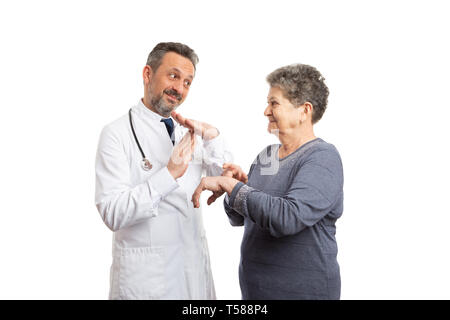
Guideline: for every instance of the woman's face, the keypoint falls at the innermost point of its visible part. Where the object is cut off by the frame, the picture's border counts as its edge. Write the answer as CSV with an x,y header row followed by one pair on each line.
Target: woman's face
x,y
283,116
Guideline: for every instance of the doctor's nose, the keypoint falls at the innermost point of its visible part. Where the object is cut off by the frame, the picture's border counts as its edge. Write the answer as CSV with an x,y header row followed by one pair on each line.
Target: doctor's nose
x,y
178,87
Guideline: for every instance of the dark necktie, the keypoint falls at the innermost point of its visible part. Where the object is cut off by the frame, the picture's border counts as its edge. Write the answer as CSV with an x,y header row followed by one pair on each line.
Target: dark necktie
x,y
169,126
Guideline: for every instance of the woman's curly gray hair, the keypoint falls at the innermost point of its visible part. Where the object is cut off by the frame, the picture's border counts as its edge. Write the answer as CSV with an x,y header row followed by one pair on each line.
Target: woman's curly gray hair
x,y
302,83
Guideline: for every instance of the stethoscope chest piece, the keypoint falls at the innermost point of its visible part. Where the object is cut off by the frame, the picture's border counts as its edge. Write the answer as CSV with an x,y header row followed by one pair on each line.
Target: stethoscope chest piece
x,y
146,165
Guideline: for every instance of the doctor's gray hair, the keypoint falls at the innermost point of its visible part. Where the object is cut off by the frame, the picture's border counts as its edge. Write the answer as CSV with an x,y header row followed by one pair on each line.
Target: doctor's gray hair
x,y
302,83
155,57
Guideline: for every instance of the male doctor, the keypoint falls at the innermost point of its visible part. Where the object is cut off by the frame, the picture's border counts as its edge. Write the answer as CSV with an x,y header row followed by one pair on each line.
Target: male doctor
x,y
147,168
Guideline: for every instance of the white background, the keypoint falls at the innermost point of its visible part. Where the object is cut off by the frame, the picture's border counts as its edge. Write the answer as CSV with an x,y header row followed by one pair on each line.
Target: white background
x,y
67,68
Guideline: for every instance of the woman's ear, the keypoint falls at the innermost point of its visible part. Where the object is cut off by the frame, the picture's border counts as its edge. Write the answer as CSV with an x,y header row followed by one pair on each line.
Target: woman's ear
x,y
306,112
308,108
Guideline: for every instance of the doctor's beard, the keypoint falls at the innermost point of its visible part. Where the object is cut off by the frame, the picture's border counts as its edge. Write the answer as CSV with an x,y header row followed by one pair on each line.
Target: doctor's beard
x,y
163,108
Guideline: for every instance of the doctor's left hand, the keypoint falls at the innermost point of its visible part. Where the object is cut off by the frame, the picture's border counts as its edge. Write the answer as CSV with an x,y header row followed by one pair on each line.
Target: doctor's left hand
x,y
181,155
202,129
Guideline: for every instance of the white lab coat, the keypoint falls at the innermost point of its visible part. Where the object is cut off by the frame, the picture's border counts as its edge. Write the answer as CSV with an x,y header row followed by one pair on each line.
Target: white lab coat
x,y
159,245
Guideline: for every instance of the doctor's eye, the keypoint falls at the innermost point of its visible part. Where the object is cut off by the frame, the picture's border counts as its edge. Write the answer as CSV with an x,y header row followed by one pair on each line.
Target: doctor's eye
x,y
187,83
172,75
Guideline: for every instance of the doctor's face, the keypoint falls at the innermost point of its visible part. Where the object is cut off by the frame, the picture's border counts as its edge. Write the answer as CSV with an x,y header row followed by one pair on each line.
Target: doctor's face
x,y
167,88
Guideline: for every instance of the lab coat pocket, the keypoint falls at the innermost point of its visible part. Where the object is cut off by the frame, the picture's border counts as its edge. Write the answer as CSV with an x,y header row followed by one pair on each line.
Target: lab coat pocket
x,y
141,273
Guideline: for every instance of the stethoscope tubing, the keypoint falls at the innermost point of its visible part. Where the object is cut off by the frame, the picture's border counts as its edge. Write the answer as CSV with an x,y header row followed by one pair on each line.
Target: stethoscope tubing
x,y
135,137
146,165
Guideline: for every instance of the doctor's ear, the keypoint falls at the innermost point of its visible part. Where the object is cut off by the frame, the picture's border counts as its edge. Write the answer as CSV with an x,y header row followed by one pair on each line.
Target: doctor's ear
x,y
147,74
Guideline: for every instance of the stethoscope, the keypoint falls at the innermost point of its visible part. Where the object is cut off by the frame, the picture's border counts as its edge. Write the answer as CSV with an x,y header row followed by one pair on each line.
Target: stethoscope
x,y
146,165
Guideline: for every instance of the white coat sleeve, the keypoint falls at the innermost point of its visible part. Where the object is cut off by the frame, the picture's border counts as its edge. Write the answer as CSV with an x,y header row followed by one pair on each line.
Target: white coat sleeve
x,y
215,154
119,203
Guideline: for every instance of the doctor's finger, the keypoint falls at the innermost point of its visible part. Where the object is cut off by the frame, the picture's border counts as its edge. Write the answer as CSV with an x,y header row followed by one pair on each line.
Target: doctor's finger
x,y
189,142
182,151
178,117
193,141
196,195
214,197
185,122
194,125
186,140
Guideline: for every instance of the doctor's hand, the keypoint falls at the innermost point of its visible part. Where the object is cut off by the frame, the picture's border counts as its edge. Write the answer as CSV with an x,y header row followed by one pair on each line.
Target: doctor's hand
x,y
229,170
181,155
202,129
219,184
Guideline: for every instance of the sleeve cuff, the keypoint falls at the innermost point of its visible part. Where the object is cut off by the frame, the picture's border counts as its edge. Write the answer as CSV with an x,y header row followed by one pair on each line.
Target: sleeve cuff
x,y
234,192
226,199
215,139
238,198
215,146
215,154
162,182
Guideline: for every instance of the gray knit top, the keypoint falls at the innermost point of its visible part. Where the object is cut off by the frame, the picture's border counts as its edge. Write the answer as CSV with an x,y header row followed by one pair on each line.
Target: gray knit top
x,y
289,208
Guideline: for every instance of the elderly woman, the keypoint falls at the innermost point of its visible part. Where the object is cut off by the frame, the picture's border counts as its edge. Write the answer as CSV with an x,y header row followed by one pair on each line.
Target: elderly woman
x,y
292,198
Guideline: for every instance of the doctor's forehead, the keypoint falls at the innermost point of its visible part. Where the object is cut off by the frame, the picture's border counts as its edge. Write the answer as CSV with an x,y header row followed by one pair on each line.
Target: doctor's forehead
x,y
175,62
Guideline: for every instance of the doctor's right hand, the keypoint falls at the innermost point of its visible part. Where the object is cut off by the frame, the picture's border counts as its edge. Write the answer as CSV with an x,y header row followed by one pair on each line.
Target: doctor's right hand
x,y
181,155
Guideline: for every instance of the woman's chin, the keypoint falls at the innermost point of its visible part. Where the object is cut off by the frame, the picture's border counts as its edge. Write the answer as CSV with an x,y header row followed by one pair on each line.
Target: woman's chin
x,y
272,128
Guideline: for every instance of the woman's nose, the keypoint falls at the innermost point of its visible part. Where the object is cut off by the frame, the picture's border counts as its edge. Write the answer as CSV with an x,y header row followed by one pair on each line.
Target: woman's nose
x,y
267,112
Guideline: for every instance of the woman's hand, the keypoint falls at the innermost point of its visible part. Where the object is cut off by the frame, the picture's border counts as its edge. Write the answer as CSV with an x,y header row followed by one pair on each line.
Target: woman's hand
x,y
233,170
217,185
